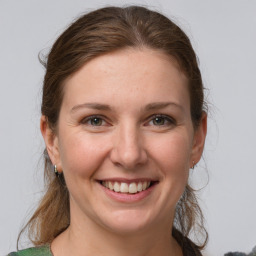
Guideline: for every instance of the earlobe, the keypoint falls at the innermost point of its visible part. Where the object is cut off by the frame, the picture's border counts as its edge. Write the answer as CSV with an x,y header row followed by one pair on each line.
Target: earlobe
x,y
51,142
199,140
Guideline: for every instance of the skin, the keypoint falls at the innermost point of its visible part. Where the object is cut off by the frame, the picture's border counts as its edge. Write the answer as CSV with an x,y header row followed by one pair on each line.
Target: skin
x,y
143,130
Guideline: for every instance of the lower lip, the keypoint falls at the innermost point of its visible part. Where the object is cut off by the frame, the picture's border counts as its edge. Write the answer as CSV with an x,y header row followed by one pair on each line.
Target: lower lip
x,y
126,197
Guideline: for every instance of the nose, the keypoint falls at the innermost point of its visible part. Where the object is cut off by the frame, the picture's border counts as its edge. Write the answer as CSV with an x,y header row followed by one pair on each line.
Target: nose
x,y
128,148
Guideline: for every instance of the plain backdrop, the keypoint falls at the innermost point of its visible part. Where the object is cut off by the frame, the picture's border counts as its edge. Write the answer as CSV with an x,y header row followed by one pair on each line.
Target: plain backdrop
x,y
223,34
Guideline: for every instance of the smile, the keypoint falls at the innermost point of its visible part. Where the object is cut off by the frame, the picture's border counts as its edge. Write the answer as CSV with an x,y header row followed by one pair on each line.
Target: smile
x,y
130,188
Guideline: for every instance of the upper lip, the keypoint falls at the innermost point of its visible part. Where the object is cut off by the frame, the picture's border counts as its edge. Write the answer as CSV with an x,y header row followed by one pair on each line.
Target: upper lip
x,y
125,180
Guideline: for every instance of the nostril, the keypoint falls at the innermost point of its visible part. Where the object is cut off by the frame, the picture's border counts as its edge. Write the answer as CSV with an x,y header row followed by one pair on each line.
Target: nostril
x,y
128,159
128,151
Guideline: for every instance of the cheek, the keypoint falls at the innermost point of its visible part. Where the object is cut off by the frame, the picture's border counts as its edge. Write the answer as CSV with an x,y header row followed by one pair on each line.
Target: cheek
x,y
172,155
81,155
173,151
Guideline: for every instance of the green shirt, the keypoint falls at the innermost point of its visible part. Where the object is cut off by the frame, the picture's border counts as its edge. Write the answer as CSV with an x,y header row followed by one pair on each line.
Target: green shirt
x,y
35,251
46,251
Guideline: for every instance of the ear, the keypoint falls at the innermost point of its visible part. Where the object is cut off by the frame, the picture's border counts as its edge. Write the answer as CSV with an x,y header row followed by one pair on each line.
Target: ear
x,y
198,141
51,142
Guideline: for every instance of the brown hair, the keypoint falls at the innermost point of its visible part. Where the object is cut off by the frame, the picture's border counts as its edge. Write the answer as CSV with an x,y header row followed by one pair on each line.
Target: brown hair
x,y
103,31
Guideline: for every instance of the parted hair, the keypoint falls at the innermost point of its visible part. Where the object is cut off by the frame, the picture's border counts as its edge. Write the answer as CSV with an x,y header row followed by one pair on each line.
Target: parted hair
x,y
103,31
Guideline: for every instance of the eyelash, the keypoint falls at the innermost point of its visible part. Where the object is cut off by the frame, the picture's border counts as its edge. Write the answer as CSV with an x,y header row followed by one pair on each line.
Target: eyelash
x,y
168,121
91,118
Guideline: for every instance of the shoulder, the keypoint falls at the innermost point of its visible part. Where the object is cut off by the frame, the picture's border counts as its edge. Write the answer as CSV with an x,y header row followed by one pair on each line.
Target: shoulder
x,y
35,251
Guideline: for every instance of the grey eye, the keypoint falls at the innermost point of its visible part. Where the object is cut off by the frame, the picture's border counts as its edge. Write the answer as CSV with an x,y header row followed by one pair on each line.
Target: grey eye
x,y
159,121
96,121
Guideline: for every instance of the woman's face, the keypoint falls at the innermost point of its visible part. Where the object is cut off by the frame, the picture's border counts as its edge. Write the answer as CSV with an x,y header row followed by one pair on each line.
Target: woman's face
x,y
125,140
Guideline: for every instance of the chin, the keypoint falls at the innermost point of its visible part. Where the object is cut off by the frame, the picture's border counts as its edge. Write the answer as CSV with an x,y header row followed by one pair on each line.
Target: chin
x,y
128,222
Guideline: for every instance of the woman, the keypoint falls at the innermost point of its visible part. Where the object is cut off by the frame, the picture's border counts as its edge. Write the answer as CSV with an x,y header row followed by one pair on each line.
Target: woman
x,y
123,121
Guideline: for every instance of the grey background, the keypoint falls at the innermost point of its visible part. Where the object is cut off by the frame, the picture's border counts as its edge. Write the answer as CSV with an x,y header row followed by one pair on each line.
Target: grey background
x,y
224,36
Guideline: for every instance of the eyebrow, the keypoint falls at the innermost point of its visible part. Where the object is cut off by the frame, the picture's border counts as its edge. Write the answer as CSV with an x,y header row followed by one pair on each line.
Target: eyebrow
x,y
160,105
148,107
97,106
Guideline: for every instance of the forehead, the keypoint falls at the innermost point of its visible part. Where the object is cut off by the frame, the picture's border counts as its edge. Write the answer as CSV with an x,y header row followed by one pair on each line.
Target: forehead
x,y
130,74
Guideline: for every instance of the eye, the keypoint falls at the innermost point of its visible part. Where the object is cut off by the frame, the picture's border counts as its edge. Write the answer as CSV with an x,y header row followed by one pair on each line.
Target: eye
x,y
161,120
94,121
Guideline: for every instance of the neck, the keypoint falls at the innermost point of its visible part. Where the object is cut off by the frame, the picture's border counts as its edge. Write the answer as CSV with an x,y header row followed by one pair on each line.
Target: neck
x,y
74,242
86,238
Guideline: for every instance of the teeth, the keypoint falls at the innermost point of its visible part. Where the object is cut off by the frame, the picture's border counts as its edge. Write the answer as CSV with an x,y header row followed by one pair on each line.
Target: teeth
x,y
133,188
144,185
139,186
116,187
110,185
123,187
